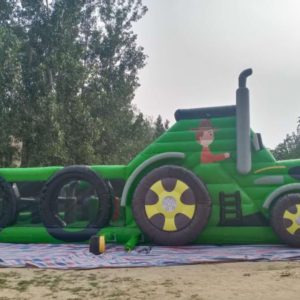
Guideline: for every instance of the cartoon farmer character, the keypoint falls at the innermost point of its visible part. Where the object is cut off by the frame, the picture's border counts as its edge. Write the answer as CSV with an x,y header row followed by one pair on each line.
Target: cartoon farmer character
x,y
205,136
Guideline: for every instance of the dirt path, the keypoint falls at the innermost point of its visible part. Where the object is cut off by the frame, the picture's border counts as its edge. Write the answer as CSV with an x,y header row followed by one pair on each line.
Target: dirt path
x,y
267,280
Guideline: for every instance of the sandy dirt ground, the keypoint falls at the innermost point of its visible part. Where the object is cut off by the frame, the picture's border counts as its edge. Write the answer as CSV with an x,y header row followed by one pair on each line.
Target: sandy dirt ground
x,y
256,280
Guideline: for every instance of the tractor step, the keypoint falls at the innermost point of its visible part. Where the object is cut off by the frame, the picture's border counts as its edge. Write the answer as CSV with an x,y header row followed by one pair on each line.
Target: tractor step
x,y
230,209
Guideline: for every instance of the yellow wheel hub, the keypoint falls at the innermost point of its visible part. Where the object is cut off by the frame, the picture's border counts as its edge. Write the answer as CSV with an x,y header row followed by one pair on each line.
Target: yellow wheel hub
x,y
169,204
294,218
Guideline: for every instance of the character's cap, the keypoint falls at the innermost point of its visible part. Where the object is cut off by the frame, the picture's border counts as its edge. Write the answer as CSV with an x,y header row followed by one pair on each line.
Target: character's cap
x,y
205,124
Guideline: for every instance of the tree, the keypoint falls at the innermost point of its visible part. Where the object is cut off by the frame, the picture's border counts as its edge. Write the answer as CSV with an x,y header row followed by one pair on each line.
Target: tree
x,y
160,127
290,147
69,71
10,89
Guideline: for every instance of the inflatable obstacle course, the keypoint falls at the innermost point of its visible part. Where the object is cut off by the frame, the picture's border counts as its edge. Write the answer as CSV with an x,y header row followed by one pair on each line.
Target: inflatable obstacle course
x,y
208,179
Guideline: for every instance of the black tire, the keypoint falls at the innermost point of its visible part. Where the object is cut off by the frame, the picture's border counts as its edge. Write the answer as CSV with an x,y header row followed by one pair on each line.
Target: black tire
x,y
8,204
48,206
179,209
285,219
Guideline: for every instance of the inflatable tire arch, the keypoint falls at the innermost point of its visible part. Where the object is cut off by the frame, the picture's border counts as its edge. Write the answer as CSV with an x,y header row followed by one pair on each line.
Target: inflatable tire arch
x,y
8,205
142,167
171,205
285,219
54,223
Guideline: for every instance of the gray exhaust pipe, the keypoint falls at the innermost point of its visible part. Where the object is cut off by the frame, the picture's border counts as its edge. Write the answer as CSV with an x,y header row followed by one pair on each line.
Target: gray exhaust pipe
x,y
243,125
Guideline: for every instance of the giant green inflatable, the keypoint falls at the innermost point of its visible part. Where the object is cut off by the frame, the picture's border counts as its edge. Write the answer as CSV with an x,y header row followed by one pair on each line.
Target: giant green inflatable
x,y
208,179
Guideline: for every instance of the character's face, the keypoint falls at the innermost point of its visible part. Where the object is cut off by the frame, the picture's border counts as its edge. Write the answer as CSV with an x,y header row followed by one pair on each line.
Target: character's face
x,y
207,138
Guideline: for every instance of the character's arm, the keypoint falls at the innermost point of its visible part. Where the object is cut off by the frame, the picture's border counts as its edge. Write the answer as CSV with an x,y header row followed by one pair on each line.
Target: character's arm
x,y
208,157
219,157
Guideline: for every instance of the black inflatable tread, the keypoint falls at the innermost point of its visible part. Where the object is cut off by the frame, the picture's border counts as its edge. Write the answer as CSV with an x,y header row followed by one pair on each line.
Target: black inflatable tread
x,y
53,224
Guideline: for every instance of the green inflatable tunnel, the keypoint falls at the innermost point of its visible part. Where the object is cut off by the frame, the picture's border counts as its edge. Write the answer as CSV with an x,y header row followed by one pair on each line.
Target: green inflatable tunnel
x,y
208,179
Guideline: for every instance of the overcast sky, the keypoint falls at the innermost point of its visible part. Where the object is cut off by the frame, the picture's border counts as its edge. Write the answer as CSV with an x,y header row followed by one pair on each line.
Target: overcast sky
x,y
197,48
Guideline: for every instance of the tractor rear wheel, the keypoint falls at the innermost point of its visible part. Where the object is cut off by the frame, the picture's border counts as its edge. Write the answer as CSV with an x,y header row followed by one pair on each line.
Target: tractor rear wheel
x,y
171,206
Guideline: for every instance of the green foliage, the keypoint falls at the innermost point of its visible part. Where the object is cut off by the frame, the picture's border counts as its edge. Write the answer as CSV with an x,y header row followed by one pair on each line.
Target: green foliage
x,y
10,90
290,147
68,74
160,127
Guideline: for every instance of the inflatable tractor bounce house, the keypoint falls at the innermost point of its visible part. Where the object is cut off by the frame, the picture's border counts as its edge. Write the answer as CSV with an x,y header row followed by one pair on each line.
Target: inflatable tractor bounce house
x,y
208,179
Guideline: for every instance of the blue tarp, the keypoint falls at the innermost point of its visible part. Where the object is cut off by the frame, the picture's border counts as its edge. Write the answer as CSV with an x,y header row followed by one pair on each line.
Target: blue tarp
x,y
75,256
